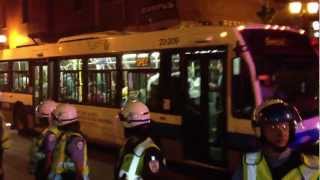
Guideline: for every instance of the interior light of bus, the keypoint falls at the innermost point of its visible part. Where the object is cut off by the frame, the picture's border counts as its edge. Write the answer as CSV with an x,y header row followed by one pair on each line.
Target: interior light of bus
x,y
312,7
282,28
218,51
268,26
197,52
205,52
3,38
223,34
129,56
275,27
316,34
8,124
301,31
143,55
241,27
60,48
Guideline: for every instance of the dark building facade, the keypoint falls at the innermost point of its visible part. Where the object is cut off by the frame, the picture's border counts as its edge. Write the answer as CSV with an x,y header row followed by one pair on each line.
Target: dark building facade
x,y
35,21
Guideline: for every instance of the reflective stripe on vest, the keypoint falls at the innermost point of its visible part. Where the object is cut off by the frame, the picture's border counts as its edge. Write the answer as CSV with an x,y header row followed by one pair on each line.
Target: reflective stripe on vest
x,y
309,173
303,173
133,162
36,153
61,162
306,171
255,167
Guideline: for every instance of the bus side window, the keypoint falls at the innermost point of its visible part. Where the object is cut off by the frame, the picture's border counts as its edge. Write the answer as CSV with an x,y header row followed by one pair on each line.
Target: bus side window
x,y
242,90
170,101
175,83
4,76
102,77
140,75
70,80
20,76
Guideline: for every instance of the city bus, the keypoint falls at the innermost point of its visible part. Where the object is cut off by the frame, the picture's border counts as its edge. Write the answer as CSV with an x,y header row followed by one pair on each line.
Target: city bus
x,y
201,84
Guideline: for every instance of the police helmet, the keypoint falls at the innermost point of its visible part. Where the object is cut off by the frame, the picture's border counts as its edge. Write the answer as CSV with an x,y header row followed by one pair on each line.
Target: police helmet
x,y
134,113
275,111
45,108
65,114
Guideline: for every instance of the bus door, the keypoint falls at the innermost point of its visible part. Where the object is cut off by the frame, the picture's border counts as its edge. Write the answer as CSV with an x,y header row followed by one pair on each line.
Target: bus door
x,y
204,117
40,82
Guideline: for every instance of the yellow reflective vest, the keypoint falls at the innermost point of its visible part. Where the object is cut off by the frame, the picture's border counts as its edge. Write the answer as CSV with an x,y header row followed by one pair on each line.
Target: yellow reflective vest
x,y
5,139
307,171
255,167
132,164
36,155
62,163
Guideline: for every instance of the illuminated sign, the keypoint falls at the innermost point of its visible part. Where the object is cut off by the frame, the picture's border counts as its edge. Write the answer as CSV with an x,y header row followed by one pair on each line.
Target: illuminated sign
x,y
156,11
142,61
271,41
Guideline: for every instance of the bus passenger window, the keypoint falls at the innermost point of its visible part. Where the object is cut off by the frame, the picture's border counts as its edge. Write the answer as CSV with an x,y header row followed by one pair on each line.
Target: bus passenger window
x,y
175,103
242,90
4,76
102,80
194,82
70,80
20,76
141,75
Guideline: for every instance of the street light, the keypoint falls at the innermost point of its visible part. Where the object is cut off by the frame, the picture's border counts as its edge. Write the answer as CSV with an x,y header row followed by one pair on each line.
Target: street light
x,y
3,38
307,11
296,7
312,7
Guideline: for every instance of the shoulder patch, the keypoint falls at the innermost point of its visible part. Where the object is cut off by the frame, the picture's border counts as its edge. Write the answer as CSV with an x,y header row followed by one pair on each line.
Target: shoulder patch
x,y
154,165
80,145
51,137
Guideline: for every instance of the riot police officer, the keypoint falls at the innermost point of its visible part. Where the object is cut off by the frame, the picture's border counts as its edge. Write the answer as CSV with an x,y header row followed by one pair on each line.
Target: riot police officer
x,y
140,157
274,122
70,155
43,146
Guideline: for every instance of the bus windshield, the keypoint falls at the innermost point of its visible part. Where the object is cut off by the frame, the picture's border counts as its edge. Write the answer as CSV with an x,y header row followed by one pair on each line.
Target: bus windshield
x,y
287,67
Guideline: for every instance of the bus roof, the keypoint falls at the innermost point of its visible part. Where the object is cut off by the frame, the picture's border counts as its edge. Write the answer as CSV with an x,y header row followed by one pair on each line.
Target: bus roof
x,y
114,42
